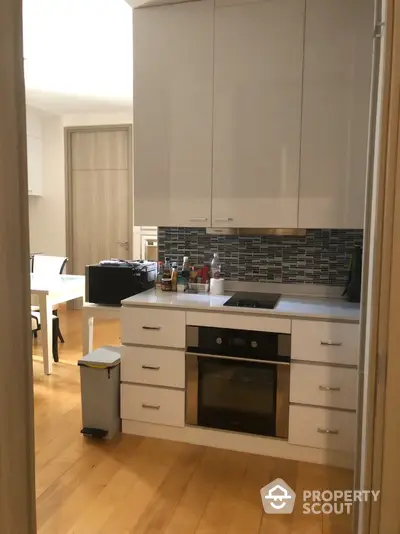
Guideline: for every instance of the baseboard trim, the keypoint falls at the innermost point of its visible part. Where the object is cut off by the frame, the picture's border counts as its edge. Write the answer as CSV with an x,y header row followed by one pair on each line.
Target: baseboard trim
x,y
240,442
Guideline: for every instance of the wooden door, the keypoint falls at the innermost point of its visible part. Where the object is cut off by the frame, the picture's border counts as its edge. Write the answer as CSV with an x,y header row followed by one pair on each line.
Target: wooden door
x,y
257,113
99,196
17,446
336,95
173,73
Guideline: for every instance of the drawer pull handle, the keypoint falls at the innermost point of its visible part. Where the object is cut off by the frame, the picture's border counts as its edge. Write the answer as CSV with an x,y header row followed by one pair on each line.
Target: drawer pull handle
x,y
223,219
151,367
198,219
331,343
327,431
151,406
151,327
328,388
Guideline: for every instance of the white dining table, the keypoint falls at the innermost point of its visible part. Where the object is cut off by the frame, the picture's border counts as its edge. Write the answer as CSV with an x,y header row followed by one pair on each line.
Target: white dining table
x,y
53,290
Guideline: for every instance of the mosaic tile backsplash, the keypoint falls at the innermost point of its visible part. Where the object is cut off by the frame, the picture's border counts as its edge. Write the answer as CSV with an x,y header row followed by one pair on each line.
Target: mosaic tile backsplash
x,y
319,257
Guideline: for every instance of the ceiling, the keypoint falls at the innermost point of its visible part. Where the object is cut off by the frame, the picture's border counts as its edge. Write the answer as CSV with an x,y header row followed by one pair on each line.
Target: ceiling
x,y
78,55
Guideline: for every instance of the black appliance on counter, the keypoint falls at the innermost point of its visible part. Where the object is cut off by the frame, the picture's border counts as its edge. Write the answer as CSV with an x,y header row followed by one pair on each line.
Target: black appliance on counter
x,y
111,281
245,299
238,380
353,287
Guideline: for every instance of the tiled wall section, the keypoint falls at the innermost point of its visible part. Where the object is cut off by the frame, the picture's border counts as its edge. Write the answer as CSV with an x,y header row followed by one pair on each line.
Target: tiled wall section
x,y
320,257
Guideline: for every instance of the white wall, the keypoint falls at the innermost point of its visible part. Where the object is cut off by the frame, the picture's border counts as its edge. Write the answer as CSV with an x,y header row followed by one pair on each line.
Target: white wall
x,y
97,119
47,213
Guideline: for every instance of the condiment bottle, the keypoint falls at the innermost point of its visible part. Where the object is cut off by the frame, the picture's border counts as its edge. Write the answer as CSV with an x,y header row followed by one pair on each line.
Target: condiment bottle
x,y
167,268
174,277
215,266
186,268
159,275
193,275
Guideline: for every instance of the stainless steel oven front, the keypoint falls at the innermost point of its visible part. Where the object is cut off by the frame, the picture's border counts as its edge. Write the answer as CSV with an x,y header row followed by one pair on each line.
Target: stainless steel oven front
x,y
238,380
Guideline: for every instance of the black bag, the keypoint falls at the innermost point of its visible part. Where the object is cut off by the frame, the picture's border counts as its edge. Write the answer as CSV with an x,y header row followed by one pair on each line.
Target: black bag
x,y
353,288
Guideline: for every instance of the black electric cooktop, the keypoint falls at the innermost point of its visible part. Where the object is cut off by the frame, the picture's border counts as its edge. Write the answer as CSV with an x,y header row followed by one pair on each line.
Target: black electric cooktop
x,y
253,300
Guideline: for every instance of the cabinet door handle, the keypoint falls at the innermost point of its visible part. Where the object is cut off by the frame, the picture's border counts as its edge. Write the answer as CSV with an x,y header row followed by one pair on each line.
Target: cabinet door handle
x,y
151,327
151,367
198,219
151,406
223,219
327,431
328,388
331,343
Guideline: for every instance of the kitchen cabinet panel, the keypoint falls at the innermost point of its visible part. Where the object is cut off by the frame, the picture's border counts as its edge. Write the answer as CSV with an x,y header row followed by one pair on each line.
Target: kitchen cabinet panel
x,y
173,100
336,90
153,405
323,385
325,342
257,113
147,326
322,428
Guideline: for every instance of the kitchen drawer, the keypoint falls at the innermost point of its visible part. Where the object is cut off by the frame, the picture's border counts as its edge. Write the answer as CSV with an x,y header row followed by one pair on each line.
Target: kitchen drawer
x,y
148,326
153,405
322,428
322,385
158,367
320,341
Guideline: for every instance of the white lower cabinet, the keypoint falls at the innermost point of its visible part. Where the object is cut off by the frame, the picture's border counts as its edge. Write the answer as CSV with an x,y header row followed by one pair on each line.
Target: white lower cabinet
x,y
147,326
325,342
323,385
323,391
151,366
153,405
322,428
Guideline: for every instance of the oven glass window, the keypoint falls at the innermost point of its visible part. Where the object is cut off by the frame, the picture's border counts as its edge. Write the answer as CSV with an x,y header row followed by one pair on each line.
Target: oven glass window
x,y
236,395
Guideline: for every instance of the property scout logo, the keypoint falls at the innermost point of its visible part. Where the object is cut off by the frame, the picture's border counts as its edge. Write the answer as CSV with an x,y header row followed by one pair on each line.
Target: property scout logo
x,y
279,498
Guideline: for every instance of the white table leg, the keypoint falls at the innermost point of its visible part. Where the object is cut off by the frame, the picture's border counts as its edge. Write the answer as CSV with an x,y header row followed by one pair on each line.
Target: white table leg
x,y
87,343
46,318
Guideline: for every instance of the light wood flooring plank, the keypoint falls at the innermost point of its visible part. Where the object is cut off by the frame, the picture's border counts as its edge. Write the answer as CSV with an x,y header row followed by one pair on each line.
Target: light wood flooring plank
x,y
226,494
190,508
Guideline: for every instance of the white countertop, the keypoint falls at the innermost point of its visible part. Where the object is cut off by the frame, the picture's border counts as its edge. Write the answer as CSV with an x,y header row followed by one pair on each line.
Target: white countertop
x,y
289,306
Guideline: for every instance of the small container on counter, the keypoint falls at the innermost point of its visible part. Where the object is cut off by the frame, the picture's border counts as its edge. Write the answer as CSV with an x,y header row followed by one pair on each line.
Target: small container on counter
x,y
195,287
217,286
181,284
166,284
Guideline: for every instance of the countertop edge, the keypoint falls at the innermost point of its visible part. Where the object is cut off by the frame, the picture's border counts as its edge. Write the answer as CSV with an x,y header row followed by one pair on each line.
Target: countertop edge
x,y
243,311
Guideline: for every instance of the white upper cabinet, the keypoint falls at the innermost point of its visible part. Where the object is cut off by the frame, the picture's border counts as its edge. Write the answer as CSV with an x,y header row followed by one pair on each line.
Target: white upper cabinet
x,y
337,70
34,151
257,113
173,94
34,147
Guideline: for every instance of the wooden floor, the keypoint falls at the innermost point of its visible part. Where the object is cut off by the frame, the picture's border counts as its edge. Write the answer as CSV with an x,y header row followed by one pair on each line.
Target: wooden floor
x,y
142,485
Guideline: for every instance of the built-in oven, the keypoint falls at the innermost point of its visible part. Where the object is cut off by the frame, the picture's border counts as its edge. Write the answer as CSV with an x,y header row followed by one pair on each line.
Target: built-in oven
x,y
238,380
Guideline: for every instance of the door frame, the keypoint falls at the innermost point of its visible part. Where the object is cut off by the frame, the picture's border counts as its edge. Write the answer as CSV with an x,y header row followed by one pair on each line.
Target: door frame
x,y
68,131
381,462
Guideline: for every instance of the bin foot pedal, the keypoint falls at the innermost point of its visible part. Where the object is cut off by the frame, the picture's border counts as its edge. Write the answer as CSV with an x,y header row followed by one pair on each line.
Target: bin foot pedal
x,y
94,432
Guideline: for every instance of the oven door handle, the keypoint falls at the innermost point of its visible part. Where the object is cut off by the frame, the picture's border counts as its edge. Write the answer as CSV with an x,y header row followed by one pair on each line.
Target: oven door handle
x,y
270,362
